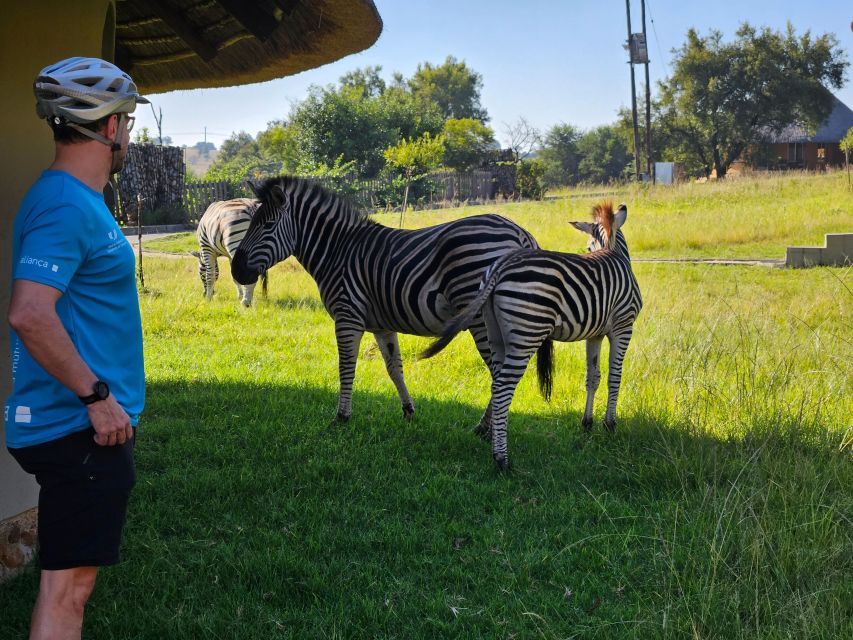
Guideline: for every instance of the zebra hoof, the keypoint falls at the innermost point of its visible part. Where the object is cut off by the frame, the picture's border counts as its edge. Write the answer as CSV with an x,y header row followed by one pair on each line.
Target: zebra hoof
x,y
342,417
408,411
610,425
586,423
502,462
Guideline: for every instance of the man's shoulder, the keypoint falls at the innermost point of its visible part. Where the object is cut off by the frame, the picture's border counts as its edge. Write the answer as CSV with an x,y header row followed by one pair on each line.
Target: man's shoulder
x,y
54,196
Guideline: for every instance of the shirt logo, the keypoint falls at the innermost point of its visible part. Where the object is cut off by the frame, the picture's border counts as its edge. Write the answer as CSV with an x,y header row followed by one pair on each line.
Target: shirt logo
x,y
112,235
22,414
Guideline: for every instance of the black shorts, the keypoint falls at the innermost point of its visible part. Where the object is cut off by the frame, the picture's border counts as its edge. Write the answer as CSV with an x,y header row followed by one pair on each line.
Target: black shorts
x,y
82,500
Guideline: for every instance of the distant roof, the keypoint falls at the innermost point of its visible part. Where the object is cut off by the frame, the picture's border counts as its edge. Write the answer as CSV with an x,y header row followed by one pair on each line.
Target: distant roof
x,y
190,44
831,130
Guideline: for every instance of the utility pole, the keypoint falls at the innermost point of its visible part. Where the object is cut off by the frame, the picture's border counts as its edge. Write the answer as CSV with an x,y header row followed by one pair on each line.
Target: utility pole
x,y
633,91
649,165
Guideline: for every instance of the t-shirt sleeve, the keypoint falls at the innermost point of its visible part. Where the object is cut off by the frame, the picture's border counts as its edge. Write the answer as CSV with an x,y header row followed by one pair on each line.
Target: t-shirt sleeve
x,y
53,245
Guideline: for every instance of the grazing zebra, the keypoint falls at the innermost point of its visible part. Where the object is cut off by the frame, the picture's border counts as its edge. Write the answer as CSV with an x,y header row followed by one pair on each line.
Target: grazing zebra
x,y
375,278
219,233
532,297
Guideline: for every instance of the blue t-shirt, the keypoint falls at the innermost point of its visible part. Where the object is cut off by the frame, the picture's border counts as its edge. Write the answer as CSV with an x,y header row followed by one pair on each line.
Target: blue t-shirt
x,y
66,237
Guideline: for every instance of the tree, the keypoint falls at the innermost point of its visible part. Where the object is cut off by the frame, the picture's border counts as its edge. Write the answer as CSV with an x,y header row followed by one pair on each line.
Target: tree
x,y
466,143
334,123
143,136
452,86
723,97
240,157
521,138
604,156
846,145
414,159
366,80
559,154
280,142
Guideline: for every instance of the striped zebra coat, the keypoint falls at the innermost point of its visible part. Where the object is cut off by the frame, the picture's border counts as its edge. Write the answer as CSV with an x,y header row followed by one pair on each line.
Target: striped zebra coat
x,y
532,297
219,233
375,278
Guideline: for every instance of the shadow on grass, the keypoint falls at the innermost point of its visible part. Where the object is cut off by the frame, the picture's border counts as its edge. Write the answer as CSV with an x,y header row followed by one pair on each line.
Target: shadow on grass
x,y
309,303
257,516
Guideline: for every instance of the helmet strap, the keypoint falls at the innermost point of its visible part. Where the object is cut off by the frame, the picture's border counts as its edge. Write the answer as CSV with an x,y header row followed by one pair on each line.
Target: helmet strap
x,y
114,145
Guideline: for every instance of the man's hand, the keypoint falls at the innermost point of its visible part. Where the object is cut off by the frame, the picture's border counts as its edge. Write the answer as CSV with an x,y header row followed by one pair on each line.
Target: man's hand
x,y
111,422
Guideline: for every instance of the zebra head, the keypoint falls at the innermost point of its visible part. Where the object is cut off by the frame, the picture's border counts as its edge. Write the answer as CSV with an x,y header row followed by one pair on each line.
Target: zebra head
x,y
603,231
270,237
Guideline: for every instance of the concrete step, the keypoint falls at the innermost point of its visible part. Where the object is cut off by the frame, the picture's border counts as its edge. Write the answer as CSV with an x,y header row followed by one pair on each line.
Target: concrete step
x,y
837,252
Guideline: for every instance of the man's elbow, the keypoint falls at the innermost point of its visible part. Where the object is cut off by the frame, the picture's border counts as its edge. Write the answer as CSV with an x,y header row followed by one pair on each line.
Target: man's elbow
x,y
22,318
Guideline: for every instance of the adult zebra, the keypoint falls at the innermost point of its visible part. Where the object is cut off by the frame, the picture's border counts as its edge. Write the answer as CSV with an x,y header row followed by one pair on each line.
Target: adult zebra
x,y
219,233
532,297
371,277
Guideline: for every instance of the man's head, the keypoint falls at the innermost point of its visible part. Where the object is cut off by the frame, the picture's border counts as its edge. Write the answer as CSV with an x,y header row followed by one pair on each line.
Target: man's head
x,y
87,99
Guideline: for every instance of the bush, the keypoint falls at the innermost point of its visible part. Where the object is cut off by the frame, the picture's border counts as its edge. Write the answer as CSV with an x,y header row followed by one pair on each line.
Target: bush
x,y
170,214
530,179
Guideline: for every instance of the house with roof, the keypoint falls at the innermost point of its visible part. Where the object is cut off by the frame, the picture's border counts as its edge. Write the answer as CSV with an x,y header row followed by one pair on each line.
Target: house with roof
x,y
795,148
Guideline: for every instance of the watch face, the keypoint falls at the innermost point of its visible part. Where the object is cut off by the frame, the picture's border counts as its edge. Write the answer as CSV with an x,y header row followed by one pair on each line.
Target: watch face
x,y
101,389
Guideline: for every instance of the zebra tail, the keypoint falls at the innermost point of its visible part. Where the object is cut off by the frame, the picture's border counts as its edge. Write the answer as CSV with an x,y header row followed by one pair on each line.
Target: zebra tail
x,y
545,368
264,284
463,319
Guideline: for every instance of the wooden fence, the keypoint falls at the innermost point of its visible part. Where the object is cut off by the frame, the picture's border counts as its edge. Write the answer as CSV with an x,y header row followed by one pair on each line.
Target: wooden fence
x,y
198,196
447,187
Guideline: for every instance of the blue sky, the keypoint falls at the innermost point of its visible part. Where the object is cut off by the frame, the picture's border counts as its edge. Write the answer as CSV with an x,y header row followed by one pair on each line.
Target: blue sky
x,y
548,61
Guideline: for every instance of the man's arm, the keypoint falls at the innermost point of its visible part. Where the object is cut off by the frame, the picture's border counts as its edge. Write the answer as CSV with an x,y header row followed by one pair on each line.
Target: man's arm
x,y
32,314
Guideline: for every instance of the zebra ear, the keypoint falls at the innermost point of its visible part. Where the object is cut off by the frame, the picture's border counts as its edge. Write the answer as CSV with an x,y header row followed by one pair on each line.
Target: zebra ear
x,y
587,227
251,187
620,217
276,196
195,253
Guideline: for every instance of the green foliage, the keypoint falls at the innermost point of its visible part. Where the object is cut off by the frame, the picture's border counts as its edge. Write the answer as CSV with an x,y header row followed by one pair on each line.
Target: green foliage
x,y
366,80
452,86
143,136
604,156
846,143
530,178
466,143
171,214
240,158
280,143
560,154
412,157
722,97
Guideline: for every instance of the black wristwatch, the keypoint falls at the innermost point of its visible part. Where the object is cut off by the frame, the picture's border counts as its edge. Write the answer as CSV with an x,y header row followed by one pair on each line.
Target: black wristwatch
x,y
101,391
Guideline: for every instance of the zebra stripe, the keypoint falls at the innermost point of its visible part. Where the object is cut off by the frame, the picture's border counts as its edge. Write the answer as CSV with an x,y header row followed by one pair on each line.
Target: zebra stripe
x,y
375,278
532,297
219,233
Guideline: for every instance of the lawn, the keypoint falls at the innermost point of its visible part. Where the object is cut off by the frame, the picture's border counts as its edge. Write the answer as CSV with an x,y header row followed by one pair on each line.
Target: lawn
x,y
721,508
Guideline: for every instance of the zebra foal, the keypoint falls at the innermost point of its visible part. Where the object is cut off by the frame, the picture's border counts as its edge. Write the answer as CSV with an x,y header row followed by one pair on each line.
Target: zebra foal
x,y
375,278
532,297
219,233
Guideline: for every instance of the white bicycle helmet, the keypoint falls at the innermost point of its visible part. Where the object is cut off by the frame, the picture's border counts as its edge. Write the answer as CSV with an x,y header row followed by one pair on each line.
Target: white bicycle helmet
x,y
84,90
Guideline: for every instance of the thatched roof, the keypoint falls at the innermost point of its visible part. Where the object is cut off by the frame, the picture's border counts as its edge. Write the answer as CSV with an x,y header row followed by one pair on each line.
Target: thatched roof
x,y
190,44
831,130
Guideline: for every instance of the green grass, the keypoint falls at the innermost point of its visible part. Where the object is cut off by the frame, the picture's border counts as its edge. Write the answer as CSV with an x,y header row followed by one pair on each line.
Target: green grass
x,y
721,508
749,217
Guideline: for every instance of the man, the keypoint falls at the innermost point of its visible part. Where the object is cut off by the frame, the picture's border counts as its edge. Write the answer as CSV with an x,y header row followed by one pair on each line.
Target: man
x,y
76,341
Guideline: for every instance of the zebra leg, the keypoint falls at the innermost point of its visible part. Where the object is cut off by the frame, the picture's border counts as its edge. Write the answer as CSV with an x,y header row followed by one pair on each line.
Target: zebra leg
x,y
503,390
211,272
618,347
390,348
349,338
593,378
481,339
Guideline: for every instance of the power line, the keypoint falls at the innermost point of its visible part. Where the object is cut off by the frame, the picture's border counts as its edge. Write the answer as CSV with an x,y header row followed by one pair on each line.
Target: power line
x,y
655,31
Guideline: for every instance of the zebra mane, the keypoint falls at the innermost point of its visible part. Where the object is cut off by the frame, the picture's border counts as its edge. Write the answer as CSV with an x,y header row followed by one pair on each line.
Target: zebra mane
x,y
303,189
602,213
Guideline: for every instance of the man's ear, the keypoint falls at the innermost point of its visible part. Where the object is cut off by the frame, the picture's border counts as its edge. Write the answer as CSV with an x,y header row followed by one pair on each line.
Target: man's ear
x,y
251,186
112,126
587,227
